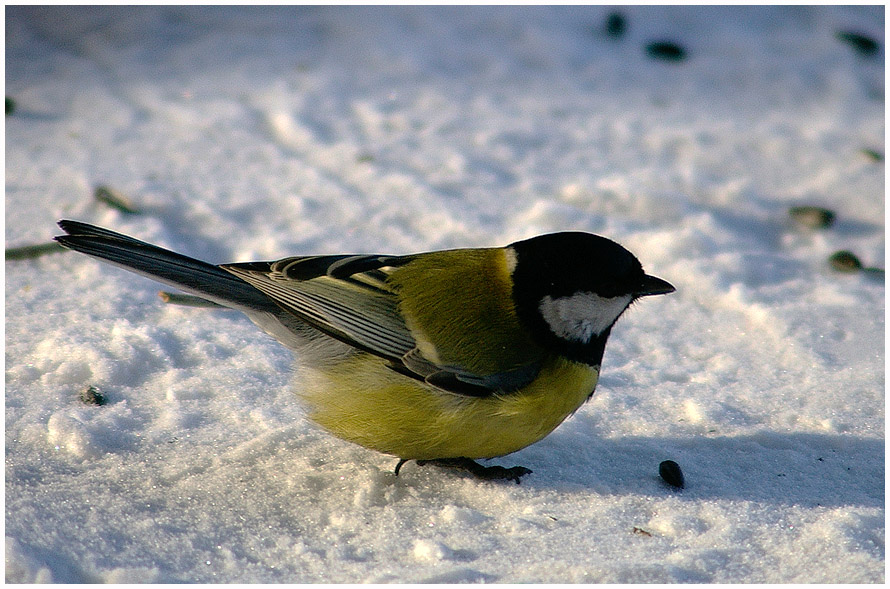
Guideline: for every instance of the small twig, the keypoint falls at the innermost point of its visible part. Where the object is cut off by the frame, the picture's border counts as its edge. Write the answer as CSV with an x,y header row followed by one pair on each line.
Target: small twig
x,y
28,252
115,200
175,298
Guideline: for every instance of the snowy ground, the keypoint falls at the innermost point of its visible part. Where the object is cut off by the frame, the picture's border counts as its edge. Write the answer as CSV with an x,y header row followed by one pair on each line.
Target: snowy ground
x,y
254,134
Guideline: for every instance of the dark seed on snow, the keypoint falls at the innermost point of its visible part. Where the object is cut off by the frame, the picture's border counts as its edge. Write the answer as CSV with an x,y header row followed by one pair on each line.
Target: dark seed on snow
x,y
873,154
861,44
92,396
615,24
844,261
671,473
811,217
665,50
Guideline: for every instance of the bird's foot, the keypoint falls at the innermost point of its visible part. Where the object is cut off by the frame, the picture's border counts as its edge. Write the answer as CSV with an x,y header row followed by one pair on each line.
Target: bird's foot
x,y
489,473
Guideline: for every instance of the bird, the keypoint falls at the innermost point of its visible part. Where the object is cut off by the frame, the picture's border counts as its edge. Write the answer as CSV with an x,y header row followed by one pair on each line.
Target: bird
x,y
444,357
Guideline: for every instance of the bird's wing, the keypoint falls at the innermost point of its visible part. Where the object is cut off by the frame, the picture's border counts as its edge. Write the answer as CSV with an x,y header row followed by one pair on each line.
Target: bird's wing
x,y
349,298
345,297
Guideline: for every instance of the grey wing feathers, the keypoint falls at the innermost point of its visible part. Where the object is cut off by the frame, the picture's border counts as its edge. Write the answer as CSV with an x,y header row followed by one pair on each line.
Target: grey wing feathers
x,y
341,266
357,308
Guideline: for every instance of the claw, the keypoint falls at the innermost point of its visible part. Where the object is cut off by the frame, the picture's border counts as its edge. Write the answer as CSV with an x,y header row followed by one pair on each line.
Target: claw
x,y
488,473
399,465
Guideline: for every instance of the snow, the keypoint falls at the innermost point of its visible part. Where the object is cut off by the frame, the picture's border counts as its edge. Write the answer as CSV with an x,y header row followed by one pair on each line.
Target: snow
x,y
257,133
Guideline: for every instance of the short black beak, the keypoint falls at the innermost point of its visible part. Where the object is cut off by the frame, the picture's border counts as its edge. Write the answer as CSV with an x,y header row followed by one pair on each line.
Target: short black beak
x,y
654,286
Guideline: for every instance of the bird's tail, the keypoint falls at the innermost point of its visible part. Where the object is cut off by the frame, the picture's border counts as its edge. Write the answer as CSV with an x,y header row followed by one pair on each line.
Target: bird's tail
x,y
188,274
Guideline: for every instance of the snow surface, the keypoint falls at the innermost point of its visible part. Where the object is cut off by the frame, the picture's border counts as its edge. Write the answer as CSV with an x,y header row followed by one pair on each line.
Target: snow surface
x,y
259,133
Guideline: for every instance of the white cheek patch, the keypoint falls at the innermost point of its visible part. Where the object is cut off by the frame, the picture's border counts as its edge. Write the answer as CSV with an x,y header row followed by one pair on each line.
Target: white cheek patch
x,y
583,315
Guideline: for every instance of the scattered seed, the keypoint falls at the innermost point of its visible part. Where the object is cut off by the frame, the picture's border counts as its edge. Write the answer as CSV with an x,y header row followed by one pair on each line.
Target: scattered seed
x,y
844,261
10,106
115,200
665,50
92,396
27,252
615,24
671,473
809,217
175,298
873,154
861,44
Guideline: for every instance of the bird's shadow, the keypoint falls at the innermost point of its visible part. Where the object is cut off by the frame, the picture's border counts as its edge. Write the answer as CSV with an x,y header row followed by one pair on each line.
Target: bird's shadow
x,y
805,469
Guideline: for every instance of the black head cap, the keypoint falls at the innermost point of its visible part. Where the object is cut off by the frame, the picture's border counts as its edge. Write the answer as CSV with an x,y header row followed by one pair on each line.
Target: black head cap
x,y
565,264
562,264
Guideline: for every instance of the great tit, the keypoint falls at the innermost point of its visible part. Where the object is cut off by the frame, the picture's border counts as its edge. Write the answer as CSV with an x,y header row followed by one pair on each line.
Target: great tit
x,y
442,357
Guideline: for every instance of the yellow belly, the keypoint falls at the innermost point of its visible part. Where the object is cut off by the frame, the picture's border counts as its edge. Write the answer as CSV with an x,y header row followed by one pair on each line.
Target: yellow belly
x,y
363,401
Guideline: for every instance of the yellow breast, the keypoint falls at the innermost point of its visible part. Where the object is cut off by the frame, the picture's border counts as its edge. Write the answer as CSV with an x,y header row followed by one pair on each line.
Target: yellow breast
x,y
363,401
